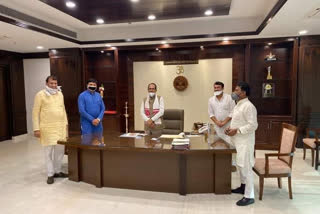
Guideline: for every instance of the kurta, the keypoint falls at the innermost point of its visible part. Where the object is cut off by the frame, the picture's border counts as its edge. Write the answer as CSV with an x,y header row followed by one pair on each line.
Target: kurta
x,y
153,108
221,109
244,118
91,107
49,116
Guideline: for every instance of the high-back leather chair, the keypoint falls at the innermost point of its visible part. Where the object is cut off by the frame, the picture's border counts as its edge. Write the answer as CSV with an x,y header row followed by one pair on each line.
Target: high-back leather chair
x,y
173,120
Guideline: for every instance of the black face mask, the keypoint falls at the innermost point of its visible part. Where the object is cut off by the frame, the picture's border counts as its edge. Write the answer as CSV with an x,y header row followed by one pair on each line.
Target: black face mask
x,y
92,88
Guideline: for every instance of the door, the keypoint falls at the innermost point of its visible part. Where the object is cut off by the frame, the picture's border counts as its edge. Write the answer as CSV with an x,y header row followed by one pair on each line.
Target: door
x,y
5,131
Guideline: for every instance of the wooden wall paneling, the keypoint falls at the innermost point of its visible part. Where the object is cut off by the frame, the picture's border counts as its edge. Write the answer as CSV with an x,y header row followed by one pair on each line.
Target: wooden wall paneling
x,y
308,104
5,106
67,65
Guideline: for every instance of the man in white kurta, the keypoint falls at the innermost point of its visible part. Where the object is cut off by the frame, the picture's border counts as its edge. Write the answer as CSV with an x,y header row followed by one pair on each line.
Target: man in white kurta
x,y
220,107
152,110
242,131
50,125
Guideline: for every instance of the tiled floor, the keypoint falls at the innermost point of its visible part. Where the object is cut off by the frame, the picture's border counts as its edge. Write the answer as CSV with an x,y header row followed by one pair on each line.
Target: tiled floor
x,y
23,190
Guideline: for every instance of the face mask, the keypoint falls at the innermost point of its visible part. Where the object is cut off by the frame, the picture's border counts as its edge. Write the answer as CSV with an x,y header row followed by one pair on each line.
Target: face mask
x,y
235,96
92,88
151,94
52,91
217,93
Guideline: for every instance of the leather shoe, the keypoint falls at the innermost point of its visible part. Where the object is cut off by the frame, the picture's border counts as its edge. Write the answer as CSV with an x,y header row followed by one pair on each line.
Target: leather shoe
x,y
245,201
50,180
239,190
60,175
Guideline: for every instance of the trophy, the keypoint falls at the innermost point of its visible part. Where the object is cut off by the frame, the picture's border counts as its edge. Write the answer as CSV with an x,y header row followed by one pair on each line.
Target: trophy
x,y
270,57
126,115
269,76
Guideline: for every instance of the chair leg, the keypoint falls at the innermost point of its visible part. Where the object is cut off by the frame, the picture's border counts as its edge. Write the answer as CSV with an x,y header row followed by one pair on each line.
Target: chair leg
x,y
279,183
312,156
304,152
261,181
290,188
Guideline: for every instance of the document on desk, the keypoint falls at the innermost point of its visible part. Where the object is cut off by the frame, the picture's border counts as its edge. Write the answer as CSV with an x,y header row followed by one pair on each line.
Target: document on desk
x,y
169,136
180,142
132,135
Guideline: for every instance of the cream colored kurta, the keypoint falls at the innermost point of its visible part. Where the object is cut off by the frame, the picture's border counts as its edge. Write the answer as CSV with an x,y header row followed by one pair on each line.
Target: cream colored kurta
x,y
244,118
49,116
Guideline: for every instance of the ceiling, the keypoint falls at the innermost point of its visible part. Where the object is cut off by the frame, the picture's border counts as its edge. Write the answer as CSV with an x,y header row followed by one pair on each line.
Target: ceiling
x,y
53,28
127,11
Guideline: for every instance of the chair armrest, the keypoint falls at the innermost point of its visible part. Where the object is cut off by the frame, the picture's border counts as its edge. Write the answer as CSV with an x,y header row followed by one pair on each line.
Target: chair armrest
x,y
267,155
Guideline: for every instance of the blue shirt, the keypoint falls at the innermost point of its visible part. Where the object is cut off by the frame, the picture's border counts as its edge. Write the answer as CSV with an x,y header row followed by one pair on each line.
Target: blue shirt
x,y
91,107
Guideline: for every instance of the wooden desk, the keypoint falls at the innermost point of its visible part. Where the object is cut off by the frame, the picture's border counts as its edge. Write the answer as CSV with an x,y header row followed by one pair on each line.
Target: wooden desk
x,y
144,164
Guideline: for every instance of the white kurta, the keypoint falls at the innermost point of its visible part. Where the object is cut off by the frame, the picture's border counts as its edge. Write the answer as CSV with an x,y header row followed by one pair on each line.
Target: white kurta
x,y
221,109
244,118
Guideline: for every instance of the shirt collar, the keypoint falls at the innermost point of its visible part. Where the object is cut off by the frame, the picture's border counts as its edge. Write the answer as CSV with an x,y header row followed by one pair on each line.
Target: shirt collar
x,y
242,101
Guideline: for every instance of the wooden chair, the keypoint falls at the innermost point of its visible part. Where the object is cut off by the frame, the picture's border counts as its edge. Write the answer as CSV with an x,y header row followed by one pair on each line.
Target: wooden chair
x,y
312,142
281,165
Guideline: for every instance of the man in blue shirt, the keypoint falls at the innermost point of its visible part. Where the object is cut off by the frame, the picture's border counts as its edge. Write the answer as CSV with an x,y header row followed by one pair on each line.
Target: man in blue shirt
x,y
91,109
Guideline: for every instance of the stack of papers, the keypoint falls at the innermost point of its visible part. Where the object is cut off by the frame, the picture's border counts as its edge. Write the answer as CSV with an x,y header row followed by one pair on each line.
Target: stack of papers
x,y
169,136
180,142
133,135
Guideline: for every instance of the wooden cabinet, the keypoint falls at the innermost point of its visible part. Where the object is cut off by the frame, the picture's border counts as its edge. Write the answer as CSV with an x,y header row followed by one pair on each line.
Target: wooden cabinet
x,y
268,133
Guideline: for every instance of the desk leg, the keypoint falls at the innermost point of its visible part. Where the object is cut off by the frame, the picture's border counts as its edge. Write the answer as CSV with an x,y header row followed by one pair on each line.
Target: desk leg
x,y
182,174
222,173
73,164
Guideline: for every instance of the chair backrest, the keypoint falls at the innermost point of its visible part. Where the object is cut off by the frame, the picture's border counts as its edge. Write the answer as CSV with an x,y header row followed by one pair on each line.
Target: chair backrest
x,y
288,142
173,120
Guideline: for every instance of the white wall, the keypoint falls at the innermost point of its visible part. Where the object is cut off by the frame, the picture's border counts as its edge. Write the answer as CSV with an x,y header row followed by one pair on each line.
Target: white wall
x,y
35,74
194,100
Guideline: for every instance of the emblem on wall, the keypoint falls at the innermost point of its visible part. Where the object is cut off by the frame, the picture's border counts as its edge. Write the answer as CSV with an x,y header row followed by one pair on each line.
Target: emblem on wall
x,y
180,83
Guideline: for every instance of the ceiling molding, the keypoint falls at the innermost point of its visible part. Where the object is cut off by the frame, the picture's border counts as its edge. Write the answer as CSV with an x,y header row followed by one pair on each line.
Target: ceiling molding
x,y
265,22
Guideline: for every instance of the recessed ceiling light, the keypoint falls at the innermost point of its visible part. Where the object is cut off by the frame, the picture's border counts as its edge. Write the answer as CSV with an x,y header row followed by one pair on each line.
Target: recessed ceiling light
x,y
152,17
208,12
164,42
225,39
291,39
102,51
303,32
107,45
129,40
269,43
70,4
100,21
39,47
135,1
114,48
157,49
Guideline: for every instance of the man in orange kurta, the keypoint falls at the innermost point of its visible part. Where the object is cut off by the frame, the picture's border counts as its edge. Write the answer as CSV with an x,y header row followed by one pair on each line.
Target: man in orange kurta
x,y
50,125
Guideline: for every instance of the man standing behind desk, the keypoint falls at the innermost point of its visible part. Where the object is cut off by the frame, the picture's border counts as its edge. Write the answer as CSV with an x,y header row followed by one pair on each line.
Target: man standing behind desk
x,y
152,109
220,109
91,109
242,131
50,124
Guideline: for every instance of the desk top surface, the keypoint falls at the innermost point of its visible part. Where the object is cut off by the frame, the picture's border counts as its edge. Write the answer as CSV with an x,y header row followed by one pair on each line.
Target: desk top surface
x,y
148,143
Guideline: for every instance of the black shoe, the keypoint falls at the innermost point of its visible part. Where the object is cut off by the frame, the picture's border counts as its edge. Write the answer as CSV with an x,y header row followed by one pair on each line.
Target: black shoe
x,y
245,201
239,190
50,180
60,175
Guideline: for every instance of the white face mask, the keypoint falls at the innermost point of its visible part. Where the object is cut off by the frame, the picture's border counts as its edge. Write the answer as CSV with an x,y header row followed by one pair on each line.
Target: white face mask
x,y
52,91
151,94
217,93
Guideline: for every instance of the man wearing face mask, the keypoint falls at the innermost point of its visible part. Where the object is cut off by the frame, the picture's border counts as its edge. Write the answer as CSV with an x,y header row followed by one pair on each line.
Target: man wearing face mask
x,y
220,107
50,124
152,109
242,132
91,109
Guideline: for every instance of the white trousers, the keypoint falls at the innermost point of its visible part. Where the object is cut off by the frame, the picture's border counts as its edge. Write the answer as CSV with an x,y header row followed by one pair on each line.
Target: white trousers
x,y
53,158
246,177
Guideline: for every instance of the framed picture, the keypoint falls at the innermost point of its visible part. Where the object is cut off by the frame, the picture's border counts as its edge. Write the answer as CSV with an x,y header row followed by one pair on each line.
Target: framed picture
x,y
268,89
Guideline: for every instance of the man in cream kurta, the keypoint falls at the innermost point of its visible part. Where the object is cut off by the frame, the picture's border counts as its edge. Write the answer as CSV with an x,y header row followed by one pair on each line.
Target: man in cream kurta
x,y
242,131
50,125
151,110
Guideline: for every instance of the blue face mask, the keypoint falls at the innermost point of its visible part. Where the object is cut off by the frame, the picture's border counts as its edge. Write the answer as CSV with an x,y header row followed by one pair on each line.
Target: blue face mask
x,y
235,96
